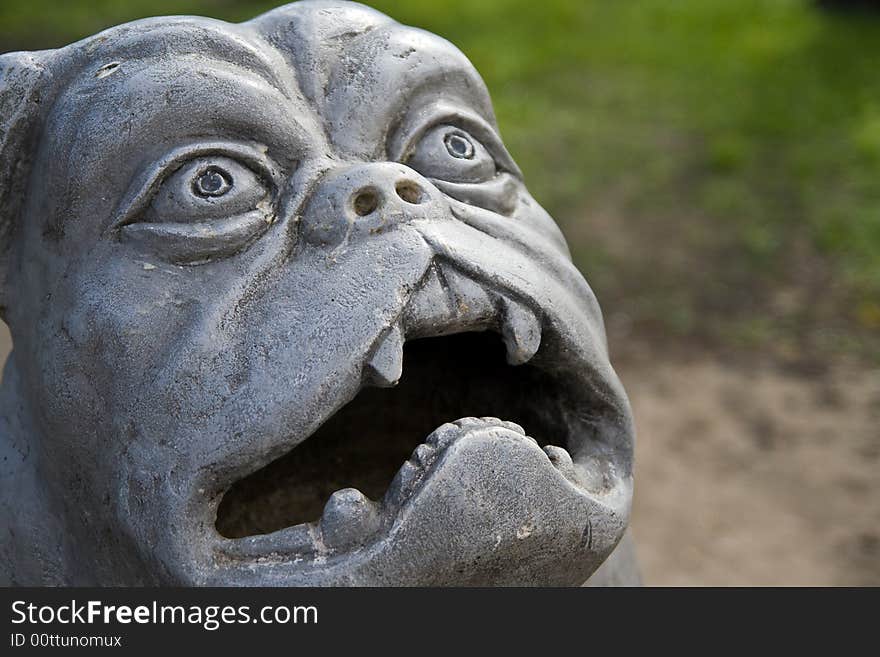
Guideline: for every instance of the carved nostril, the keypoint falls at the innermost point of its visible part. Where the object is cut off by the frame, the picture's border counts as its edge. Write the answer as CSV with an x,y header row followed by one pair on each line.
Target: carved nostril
x,y
365,201
410,192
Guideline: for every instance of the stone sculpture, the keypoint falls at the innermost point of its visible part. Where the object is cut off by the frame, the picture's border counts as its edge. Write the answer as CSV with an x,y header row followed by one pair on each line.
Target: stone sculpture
x,y
222,247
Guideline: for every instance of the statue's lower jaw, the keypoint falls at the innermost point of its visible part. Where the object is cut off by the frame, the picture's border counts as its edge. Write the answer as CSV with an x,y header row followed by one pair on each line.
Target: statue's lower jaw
x,y
493,508
479,503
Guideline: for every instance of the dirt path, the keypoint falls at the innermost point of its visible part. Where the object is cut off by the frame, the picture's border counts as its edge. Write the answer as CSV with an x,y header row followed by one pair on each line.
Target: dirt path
x,y
748,475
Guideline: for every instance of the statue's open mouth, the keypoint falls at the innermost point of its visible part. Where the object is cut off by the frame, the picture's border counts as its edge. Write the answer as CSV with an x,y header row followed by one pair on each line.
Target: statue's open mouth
x,y
476,365
363,445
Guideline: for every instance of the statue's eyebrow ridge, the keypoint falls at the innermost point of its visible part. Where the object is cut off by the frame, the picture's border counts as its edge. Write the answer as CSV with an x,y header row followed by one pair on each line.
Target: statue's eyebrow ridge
x,y
180,37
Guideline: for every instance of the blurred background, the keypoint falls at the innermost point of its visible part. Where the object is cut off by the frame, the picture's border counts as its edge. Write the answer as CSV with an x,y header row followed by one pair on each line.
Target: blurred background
x,y
715,166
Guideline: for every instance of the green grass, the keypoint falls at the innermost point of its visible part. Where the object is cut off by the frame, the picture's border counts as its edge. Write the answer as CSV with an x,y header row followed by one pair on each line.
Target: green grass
x,y
715,163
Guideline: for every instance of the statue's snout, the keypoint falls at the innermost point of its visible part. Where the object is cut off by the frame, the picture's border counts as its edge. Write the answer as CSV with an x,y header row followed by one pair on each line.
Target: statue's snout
x,y
361,200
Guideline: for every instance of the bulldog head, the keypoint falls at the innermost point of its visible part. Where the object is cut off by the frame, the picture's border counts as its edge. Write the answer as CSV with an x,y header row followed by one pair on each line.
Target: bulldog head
x,y
255,275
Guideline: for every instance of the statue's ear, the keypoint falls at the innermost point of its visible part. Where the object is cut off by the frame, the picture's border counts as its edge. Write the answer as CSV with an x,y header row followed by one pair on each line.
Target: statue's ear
x,y
21,77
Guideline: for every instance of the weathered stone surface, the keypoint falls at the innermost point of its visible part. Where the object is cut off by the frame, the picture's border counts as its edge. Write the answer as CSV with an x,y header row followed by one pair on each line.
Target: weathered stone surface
x,y
229,256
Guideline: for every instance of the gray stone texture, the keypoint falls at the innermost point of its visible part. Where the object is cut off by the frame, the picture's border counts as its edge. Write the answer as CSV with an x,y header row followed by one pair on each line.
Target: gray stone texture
x,y
216,236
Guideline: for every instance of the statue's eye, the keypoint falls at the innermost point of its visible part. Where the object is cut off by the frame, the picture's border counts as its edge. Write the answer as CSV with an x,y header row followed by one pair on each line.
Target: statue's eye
x,y
192,208
449,153
212,182
206,189
459,146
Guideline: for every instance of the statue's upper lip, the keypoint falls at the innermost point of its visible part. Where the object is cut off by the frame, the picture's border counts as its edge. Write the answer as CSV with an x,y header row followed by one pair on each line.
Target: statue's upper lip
x,y
446,301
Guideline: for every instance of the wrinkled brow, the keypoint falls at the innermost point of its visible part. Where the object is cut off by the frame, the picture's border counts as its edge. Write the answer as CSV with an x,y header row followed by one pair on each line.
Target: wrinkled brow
x,y
176,37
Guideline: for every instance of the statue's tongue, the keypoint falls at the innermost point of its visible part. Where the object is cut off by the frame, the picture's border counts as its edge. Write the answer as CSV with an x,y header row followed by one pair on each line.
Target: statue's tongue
x,y
488,506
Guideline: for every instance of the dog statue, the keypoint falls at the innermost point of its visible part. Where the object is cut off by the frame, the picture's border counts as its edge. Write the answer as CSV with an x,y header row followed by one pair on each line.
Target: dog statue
x,y
255,274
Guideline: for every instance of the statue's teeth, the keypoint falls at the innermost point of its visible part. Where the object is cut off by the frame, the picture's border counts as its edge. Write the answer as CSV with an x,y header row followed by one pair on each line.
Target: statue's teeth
x,y
521,331
423,455
402,484
561,459
443,436
349,519
385,366
512,426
